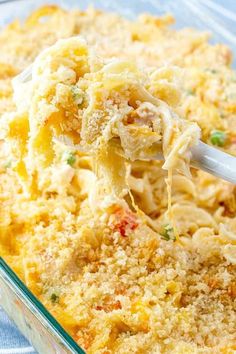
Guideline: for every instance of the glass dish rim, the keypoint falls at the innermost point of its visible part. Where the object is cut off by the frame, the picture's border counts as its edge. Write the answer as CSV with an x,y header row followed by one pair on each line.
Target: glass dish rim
x,y
19,288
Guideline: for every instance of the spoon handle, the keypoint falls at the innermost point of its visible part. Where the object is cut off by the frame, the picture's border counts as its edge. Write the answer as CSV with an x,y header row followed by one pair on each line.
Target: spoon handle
x,y
214,161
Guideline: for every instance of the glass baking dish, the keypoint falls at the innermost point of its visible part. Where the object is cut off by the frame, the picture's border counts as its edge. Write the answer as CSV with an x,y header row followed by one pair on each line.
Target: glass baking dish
x,y
32,318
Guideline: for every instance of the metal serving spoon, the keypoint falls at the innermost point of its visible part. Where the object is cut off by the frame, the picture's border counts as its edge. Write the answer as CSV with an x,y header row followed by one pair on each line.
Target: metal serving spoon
x,y
204,157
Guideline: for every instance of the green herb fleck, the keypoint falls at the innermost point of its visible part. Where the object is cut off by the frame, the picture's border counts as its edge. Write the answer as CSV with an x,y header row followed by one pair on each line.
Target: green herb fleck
x,y
8,164
70,158
212,71
54,298
190,92
77,94
168,233
218,138
222,115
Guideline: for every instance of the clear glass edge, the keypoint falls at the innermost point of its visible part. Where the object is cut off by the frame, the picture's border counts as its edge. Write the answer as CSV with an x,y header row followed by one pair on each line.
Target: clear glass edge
x,y
18,287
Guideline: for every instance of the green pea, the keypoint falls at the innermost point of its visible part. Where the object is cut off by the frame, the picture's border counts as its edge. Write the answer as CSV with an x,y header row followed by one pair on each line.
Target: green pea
x,y
218,138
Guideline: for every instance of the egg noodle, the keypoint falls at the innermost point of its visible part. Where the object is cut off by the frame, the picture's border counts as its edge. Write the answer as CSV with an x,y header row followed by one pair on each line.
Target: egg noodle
x,y
130,254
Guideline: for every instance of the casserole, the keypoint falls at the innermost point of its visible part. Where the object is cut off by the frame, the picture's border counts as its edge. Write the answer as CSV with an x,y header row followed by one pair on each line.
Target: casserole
x,y
53,330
